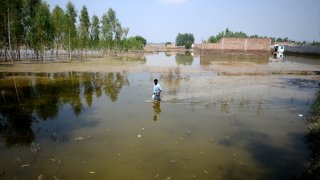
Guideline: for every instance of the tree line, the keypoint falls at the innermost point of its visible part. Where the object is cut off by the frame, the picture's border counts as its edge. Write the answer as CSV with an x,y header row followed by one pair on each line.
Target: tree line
x,y
29,26
234,34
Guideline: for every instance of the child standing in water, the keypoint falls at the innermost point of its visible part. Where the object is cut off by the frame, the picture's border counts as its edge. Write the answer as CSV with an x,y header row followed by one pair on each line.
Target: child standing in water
x,y
156,90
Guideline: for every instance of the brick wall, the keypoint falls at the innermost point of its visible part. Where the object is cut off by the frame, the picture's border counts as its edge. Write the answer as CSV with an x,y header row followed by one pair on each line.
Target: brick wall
x,y
238,44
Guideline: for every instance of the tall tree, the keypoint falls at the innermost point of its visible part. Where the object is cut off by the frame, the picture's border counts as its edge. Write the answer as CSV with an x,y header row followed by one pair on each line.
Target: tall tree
x,y
17,27
29,14
58,22
107,27
95,32
11,28
71,15
185,40
42,36
84,29
112,31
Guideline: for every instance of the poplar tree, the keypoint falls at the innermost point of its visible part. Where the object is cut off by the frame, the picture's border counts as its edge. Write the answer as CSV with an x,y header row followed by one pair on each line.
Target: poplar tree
x,y
42,37
70,30
59,23
107,32
84,29
11,28
112,31
95,32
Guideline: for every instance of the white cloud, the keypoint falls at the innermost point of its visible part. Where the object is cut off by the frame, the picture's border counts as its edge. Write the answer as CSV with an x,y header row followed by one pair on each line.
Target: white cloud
x,y
173,1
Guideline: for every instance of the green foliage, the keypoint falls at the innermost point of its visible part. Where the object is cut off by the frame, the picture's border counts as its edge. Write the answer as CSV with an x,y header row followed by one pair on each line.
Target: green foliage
x,y
112,31
58,23
84,28
30,24
95,32
142,40
227,33
185,40
71,15
42,35
133,43
213,39
17,29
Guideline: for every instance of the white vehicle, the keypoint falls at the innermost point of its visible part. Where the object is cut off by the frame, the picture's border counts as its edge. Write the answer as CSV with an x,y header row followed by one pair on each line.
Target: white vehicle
x,y
278,52
278,48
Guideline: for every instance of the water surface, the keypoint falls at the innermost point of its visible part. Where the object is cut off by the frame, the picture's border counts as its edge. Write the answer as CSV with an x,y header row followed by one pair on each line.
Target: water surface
x,y
102,125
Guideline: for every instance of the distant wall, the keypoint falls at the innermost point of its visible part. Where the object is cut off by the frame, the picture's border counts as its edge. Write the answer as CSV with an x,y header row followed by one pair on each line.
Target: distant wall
x,y
238,44
302,49
163,48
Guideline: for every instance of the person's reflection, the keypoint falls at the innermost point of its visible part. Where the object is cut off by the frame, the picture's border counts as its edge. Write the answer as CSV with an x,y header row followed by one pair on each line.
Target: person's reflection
x,y
156,110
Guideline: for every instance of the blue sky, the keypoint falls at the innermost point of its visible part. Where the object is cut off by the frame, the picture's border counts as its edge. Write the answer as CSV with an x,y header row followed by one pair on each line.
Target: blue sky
x,y
162,20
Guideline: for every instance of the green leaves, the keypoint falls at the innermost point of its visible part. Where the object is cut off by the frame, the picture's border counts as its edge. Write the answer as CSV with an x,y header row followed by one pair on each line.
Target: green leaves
x,y
185,40
227,33
84,28
70,29
30,24
95,32
112,31
133,43
58,23
42,35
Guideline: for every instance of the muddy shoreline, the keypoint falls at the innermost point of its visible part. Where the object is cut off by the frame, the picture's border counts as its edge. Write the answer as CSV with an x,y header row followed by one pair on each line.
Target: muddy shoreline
x,y
313,140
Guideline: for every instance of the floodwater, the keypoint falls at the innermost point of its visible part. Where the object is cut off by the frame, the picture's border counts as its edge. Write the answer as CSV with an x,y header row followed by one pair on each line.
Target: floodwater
x,y
102,125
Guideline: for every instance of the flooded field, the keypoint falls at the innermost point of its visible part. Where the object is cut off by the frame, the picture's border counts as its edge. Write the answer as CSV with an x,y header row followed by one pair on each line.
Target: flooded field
x,y
95,119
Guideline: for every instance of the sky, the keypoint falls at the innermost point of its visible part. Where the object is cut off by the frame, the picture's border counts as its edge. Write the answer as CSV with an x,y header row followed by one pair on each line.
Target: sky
x,y
161,20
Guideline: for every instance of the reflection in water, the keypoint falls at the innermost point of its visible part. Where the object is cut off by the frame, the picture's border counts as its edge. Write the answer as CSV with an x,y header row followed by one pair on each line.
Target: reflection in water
x,y
210,128
40,96
184,59
156,110
233,58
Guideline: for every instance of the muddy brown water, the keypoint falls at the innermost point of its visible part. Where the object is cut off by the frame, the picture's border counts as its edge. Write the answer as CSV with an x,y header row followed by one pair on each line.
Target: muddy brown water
x,y
102,125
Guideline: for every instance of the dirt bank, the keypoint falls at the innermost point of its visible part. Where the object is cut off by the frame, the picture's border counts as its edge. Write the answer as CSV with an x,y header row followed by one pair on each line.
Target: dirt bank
x,y
313,137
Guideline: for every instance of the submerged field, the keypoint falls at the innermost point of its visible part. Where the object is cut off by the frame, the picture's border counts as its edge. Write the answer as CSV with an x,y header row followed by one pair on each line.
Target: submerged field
x,y
220,118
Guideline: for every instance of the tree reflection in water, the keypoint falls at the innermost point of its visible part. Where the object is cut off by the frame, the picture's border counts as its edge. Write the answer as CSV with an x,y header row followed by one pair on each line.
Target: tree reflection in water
x,y
39,96
184,59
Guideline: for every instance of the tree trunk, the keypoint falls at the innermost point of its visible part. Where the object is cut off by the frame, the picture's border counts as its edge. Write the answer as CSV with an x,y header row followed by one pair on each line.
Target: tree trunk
x,y
44,53
9,36
19,54
57,53
69,44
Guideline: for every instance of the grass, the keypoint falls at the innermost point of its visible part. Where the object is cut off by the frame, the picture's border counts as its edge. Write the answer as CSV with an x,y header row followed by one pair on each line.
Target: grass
x,y
313,140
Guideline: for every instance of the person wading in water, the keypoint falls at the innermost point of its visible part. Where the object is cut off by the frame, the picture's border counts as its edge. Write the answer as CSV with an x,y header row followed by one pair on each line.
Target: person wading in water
x,y
156,90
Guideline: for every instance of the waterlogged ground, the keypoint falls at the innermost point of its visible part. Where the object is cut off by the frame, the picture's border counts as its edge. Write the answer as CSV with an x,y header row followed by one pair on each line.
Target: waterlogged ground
x,y
102,124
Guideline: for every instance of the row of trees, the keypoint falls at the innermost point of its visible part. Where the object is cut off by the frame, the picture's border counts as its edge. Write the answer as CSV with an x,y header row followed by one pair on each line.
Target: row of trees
x,y
240,34
29,25
226,33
